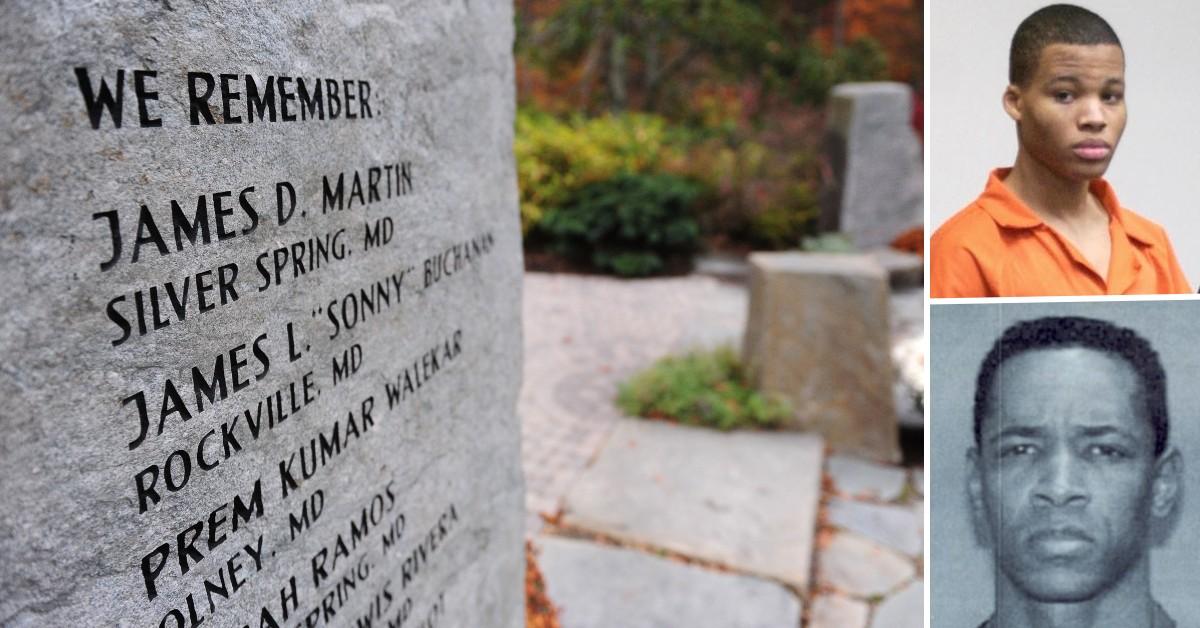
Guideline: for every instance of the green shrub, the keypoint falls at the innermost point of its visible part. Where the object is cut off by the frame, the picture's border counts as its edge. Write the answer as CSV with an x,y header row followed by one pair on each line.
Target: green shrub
x,y
762,196
632,224
785,222
706,388
556,157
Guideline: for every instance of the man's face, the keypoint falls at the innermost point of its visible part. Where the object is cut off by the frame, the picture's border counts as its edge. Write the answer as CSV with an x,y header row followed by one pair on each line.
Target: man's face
x,y
1071,114
1065,474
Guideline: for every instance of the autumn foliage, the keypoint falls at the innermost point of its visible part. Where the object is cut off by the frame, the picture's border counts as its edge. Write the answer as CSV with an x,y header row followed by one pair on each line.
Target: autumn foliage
x,y
728,94
539,611
897,25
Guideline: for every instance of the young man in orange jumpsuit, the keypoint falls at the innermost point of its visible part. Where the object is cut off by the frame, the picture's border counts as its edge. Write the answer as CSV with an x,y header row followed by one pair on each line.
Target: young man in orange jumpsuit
x,y
1050,225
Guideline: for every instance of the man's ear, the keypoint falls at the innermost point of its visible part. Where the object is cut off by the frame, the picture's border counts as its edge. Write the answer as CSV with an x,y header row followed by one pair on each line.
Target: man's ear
x,y
979,517
1168,469
1012,102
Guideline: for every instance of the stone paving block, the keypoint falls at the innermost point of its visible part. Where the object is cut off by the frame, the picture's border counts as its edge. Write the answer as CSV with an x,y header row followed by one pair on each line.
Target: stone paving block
x,y
904,269
583,335
818,333
855,478
895,527
904,609
838,611
860,567
723,266
599,586
747,500
614,328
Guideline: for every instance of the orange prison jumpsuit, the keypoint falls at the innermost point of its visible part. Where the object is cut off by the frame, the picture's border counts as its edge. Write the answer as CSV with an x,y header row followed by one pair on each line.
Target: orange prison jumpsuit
x,y
998,247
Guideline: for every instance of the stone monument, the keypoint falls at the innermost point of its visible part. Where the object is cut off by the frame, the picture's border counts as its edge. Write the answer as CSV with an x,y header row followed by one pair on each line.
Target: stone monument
x,y
877,190
818,333
260,274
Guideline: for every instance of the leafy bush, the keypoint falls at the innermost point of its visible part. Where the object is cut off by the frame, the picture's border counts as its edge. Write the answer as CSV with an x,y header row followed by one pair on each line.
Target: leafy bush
x,y
632,224
556,157
787,219
706,388
758,187
763,196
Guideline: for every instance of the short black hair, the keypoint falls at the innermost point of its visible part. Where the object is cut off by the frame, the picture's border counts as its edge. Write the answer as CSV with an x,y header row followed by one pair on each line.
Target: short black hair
x,y
1055,24
1059,332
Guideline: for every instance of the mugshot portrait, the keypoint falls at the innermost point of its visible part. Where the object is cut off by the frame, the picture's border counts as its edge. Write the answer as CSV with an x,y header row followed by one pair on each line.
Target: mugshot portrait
x,y
1151,167
1073,490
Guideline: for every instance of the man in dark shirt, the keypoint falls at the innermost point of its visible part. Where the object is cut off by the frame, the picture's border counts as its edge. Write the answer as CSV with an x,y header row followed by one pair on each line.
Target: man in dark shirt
x,y
1070,472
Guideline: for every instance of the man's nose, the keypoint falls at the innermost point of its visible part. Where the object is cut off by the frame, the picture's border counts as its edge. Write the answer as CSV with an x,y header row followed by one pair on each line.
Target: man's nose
x,y
1062,481
1092,114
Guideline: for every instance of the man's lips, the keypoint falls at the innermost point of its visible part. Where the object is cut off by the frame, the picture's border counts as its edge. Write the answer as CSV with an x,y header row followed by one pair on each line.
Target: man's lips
x,y
1060,542
1092,150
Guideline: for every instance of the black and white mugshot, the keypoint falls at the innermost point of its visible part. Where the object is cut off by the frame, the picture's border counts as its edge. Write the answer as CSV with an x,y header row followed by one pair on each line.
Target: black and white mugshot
x,y
1071,471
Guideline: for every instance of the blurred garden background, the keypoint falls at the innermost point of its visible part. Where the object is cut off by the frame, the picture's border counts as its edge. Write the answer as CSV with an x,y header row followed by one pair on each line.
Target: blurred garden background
x,y
650,129
722,407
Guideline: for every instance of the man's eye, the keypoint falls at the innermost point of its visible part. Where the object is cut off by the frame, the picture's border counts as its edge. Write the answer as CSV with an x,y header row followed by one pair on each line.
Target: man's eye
x,y
1063,96
1113,98
1022,449
1106,451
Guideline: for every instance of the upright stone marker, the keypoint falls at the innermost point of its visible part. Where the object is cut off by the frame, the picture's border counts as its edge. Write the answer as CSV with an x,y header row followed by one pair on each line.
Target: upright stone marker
x,y
260,274
818,334
878,186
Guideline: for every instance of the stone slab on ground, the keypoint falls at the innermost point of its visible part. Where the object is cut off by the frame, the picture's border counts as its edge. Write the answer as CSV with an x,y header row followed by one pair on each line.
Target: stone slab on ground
x,y
747,500
583,335
723,266
600,586
855,478
854,565
896,527
838,611
904,269
905,609
818,333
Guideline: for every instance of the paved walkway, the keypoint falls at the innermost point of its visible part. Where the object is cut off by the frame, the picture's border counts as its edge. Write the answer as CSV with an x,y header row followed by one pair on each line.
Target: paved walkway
x,y
584,334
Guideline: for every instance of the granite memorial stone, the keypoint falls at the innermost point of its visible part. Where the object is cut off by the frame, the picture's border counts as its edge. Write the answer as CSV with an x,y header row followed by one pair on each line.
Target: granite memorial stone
x,y
818,333
878,187
260,274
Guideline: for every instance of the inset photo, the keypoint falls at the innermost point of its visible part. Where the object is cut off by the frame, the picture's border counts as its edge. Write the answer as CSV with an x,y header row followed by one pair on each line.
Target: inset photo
x,y
1058,162
1064,464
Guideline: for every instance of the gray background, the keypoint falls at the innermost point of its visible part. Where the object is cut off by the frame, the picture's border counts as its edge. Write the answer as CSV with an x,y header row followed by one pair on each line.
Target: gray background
x,y
960,335
1156,163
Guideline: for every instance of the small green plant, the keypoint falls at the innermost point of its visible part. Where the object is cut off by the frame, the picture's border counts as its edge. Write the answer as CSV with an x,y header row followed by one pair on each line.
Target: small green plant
x,y
829,242
631,225
706,388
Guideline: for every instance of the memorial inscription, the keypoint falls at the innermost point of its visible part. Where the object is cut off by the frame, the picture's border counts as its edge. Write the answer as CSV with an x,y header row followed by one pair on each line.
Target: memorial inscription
x,y
256,374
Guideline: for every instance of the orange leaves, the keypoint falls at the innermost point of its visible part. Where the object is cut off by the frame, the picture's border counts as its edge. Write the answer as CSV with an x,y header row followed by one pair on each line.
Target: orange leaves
x,y
896,24
539,610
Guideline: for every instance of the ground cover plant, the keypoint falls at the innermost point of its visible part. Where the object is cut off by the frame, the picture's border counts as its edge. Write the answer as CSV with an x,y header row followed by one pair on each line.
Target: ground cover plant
x,y
703,387
631,225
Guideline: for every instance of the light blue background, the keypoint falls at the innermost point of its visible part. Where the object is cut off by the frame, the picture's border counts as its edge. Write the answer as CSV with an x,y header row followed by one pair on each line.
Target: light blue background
x,y
961,590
